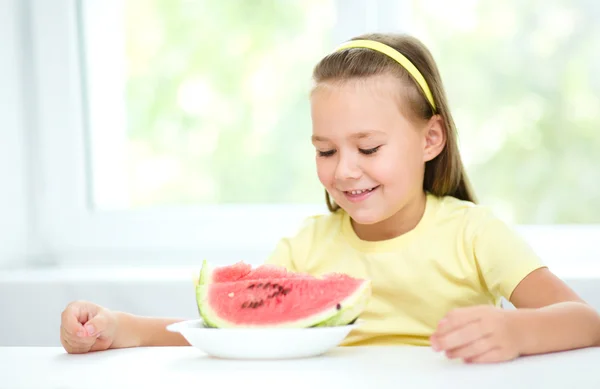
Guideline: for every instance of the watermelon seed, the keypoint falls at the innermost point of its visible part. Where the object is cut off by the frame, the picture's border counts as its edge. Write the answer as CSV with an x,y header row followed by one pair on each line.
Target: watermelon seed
x,y
257,304
251,286
285,291
259,285
276,286
338,307
267,285
253,304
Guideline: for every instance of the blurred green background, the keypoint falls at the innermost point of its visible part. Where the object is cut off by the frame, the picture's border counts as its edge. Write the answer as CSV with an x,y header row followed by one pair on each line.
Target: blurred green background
x,y
218,109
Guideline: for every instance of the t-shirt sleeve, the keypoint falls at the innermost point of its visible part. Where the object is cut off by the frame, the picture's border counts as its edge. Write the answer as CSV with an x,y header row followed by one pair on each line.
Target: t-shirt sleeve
x,y
292,252
503,255
282,255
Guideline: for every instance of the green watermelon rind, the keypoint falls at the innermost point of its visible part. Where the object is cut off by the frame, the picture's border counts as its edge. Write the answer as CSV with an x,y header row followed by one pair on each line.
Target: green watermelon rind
x,y
203,281
351,308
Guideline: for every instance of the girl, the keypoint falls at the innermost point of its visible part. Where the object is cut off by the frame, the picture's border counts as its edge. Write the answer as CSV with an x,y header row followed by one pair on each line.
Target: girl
x,y
403,215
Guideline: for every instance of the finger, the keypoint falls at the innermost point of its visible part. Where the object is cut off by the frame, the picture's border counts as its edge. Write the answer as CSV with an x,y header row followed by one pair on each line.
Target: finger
x,y
493,355
70,324
473,349
74,345
96,325
460,337
79,343
76,315
64,340
76,339
84,311
458,318
78,350
101,344
72,349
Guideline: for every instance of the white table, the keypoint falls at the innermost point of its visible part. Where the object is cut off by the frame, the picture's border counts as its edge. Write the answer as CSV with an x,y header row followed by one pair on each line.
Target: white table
x,y
347,368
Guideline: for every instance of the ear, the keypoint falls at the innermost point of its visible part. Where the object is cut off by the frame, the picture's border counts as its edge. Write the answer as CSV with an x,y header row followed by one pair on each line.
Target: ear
x,y
434,136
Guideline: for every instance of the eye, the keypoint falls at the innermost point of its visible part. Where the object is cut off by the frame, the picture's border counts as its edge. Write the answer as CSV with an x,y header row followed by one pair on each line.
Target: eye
x,y
327,153
369,151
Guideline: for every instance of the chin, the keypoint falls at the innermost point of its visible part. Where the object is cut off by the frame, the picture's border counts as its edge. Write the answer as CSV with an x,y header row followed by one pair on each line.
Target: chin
x,y
365,217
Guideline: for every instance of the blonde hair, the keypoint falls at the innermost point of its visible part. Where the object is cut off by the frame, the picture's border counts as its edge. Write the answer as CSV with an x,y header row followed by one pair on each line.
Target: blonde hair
x,y
445,174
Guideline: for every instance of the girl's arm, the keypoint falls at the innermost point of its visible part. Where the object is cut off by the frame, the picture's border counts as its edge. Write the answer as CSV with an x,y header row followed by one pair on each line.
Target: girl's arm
x,y
86,327
139,331
551,316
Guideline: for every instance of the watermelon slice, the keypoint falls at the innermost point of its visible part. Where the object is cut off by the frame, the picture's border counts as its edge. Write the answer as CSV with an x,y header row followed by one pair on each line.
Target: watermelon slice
x,y
270,296
243,271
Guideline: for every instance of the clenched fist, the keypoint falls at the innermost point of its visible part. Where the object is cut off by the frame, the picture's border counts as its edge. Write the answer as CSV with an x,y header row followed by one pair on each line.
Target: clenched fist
x,y
87,327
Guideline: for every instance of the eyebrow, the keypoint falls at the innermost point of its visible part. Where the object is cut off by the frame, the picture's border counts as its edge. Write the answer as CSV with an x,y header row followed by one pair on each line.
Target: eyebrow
x,y
358,135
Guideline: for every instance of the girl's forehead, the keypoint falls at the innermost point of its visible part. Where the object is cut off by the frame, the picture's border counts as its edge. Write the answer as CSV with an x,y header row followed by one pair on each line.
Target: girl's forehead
x,y
358,99
381,85
358,106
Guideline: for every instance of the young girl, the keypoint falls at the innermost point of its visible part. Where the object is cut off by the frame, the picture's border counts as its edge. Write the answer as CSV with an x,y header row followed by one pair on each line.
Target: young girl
x,y
404,216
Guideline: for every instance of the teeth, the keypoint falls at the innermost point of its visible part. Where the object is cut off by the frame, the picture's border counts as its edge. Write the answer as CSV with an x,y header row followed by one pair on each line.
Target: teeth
x,y
355,192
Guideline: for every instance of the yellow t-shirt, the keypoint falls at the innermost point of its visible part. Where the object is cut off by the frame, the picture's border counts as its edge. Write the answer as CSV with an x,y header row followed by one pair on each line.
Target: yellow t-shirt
x,y
458,255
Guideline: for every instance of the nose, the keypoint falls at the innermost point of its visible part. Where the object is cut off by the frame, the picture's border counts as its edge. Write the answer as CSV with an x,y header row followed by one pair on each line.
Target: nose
x,y
347,168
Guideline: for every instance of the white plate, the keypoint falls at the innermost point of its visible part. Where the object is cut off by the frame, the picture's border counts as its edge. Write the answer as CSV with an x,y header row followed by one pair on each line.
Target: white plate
x,y
261,343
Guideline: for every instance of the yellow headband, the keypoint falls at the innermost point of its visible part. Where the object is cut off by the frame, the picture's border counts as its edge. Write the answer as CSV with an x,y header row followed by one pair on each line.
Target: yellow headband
x,y
394,54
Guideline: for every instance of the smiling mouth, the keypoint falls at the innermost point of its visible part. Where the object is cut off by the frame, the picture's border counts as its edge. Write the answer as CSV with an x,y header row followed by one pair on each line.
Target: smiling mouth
x,y
357,192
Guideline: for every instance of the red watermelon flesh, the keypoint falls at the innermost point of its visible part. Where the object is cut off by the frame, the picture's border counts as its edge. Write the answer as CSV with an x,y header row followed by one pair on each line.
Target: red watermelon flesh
x,y
230,273
242,271
278,301
258,299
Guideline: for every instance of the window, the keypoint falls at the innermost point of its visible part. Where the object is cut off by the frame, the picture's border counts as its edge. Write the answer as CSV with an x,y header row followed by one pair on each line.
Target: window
x,y
202,102
523,86
180,131
176,130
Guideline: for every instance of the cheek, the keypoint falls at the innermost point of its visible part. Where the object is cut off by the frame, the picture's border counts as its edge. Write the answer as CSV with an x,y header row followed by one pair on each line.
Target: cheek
x,y
324,171
399,168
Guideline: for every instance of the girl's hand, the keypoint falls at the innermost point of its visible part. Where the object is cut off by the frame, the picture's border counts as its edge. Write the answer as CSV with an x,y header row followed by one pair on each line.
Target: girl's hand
x,y
477,334
87,327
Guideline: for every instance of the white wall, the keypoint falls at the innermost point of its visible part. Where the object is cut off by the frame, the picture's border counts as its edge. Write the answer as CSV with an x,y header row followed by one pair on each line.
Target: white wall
x,y
13,155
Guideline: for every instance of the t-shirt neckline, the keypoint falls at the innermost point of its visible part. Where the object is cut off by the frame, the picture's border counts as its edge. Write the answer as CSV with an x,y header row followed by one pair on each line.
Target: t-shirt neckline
x,y
394,243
